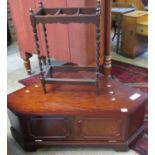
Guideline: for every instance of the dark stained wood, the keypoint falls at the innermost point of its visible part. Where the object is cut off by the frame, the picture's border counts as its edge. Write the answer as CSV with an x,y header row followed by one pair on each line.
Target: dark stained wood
x,y
65,16
69,11
70,68
68,19
70,81
46,40
74,115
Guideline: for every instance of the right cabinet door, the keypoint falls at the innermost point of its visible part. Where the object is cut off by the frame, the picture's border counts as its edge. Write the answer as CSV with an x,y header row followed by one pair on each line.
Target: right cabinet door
x,y
101,128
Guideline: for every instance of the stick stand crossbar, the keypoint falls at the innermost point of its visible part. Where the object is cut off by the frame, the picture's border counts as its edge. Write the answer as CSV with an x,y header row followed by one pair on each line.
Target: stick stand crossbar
x,y
64,16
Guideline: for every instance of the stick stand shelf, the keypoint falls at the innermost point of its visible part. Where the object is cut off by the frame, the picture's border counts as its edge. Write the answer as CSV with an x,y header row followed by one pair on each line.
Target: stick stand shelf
x,y
65,16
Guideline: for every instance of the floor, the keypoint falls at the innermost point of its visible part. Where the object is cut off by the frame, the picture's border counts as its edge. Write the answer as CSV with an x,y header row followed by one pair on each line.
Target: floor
x,y
16,71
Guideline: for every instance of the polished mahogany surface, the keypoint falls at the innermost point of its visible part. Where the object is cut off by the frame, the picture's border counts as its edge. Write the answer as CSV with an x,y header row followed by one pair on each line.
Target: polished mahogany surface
x,y
74,115
74,99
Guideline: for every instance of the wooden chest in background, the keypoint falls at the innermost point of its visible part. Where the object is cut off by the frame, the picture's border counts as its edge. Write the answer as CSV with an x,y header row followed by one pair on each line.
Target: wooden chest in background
x,y
134,33
142,26
137,3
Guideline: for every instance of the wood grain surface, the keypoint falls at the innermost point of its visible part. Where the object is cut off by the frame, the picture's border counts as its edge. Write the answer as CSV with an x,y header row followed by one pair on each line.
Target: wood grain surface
x,y
71,99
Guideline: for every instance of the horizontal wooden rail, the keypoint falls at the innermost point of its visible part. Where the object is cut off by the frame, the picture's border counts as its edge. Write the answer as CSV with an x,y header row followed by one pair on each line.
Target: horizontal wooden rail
x,y
66,19
67,11
73,68
70,81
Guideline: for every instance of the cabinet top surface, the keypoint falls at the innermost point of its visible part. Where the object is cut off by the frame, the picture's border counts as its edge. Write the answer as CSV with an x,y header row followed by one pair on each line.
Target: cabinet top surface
x,y
119,10
72,99
136,14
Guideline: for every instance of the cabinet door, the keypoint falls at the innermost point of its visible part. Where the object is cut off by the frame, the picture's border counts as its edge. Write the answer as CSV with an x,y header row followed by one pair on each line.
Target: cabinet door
x,y
50,128
20,15
57,34
101,128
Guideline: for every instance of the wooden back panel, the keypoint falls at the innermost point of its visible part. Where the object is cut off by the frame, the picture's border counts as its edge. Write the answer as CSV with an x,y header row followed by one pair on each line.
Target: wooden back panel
x,y
20,14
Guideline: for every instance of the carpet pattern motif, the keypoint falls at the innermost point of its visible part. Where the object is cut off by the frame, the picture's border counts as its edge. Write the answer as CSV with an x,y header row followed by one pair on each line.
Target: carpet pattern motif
x,y
133,76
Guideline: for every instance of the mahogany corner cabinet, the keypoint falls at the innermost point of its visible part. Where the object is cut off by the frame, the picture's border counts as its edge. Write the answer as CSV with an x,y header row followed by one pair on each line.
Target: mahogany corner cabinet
x,y
75,116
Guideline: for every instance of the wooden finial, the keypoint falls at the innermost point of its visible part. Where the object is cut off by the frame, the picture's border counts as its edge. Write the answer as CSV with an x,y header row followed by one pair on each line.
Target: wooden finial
x,y
40,4
30,11
99,1
98,8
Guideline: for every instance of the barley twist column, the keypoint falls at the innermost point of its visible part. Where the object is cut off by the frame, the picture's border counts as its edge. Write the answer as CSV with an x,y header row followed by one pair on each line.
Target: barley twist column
x,y
37,47
45,36
98,13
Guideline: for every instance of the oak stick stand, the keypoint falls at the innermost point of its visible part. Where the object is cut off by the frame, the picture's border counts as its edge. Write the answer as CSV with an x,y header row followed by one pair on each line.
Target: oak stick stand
x,y
65,16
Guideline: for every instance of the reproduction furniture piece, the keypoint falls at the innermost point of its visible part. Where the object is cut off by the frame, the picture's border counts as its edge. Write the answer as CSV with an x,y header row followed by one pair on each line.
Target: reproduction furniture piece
x,y
117,13
76,39
137,3
142,27
134,30
44,16
74,115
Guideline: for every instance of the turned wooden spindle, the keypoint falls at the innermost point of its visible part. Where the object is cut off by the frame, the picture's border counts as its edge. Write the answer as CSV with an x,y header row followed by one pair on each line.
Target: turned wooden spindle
x,y
45,37
98,13
107,31
37,47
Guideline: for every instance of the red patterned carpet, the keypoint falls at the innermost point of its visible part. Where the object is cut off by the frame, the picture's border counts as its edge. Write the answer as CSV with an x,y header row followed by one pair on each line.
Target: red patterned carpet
x,y
134,76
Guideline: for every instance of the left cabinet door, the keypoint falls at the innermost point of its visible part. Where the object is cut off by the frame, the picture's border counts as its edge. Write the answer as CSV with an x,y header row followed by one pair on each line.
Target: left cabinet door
x,y
51,128
20,15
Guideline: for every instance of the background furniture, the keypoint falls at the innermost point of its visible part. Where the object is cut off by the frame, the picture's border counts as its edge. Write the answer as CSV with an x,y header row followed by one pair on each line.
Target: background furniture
x,y
133,44
118,9
137,3
76,40
73,115
142,27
